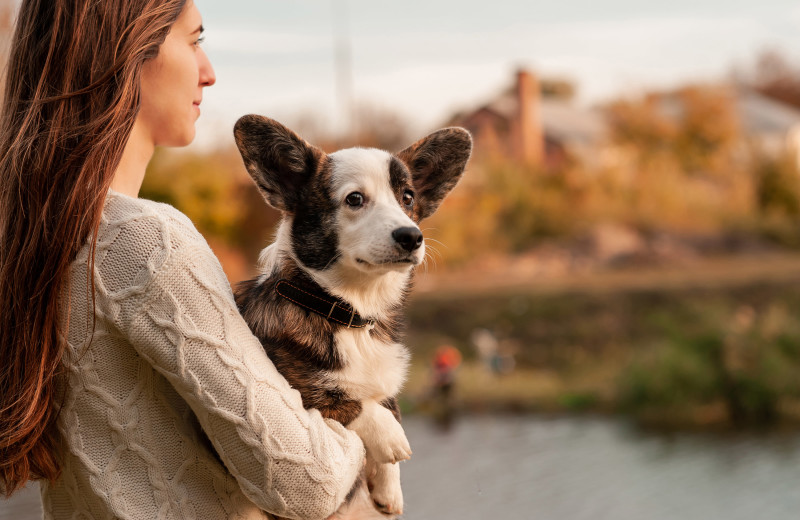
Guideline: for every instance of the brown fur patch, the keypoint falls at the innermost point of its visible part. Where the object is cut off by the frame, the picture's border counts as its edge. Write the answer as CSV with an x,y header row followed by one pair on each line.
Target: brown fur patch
x,y
436,163
301,343
400,180
391,404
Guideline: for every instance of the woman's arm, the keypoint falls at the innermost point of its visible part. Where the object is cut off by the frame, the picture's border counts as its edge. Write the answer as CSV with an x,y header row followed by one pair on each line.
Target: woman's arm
x,y
183,320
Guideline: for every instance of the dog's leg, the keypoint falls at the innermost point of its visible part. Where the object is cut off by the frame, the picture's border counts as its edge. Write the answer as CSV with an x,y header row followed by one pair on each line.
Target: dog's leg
x,y
383,482
361,508
383,436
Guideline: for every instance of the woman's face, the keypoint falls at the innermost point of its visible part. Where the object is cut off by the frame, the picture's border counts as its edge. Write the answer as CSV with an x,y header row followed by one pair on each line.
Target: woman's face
x,y
172,83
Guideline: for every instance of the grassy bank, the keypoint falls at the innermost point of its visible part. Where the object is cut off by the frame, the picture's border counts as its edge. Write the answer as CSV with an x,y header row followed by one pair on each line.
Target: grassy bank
x,y
679,354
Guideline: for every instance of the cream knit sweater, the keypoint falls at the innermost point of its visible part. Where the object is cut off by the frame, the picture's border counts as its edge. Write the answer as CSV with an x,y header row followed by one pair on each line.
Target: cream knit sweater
x,y
172,408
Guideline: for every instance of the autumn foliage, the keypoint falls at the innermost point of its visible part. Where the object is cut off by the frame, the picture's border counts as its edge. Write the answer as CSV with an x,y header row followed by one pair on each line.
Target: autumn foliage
x,y
674,162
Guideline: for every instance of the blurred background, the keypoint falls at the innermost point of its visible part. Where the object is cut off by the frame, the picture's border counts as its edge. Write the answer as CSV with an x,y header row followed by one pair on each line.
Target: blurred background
x,y
606,326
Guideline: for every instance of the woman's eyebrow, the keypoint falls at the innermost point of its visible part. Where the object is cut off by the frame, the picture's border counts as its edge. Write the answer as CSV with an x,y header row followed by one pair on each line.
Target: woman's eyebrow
x,y
199,29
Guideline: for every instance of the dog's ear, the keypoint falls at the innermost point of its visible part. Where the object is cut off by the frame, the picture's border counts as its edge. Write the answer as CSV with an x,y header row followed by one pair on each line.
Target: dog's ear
x,y
436,163
279,160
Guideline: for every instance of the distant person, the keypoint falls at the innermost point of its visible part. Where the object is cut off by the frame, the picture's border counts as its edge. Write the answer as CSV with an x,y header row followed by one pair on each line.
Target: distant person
x,y
129,383
496,358
446,360
486,346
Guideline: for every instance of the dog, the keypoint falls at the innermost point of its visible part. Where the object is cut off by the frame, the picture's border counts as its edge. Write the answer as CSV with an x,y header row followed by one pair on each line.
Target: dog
x,y
327,303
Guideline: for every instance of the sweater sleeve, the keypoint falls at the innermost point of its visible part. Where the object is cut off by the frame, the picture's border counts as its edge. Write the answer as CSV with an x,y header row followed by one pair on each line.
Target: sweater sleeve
x,y
181,317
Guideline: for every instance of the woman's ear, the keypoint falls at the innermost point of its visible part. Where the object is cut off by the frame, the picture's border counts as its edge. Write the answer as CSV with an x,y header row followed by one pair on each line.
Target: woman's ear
x,y
436,163
279,160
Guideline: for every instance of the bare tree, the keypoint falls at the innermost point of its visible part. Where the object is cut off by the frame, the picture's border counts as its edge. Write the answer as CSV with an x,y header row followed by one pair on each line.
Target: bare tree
x,y
775,76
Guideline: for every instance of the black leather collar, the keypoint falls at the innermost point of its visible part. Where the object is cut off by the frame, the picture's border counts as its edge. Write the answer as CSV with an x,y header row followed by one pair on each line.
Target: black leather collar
x,y
316,299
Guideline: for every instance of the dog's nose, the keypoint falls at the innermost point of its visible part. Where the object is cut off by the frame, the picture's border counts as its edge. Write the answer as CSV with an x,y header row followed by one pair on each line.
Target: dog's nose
x,y
409,238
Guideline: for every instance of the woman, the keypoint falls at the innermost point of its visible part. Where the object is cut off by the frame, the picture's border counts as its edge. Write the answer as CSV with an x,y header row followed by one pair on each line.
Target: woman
x,y
129,384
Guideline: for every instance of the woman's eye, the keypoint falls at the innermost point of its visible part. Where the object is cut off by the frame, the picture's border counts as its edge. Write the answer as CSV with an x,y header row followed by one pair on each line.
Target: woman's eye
x,y
355,200
408,199
198,41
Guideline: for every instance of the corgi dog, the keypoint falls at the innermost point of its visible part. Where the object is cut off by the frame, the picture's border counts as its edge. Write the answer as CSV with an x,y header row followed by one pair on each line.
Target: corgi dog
x,y
327,303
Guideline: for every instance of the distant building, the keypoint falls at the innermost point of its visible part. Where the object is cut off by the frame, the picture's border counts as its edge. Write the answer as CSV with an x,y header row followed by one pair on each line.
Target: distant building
x,y
528,126
771,125
774,126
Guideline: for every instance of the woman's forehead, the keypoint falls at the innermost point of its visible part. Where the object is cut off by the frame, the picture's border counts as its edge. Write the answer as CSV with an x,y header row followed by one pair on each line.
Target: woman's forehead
x,y
190,17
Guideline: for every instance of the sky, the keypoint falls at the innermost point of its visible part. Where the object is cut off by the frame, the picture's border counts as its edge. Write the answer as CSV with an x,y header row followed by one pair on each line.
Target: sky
x,y
425,59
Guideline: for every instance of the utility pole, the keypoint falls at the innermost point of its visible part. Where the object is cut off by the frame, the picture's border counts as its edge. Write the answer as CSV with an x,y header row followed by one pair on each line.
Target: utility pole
x,y
343,63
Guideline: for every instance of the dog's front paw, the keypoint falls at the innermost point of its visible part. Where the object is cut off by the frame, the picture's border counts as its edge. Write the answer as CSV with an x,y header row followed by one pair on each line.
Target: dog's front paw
x,y
384,489
383,436
390,447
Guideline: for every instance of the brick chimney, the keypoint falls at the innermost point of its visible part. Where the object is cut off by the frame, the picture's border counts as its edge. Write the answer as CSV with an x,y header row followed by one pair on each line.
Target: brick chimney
x,y
529,138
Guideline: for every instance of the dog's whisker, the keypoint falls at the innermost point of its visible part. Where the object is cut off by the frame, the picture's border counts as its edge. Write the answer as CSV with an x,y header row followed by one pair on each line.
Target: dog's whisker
x,y
430,257
433,251
435,264
436,242
428,260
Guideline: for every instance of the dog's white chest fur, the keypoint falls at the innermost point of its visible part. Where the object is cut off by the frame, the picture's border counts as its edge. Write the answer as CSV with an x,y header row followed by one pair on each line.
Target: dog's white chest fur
x,y
372,369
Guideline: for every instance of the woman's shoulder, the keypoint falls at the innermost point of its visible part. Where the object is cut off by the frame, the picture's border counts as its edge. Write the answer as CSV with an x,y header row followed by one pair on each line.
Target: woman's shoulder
x,y
139,237
134,215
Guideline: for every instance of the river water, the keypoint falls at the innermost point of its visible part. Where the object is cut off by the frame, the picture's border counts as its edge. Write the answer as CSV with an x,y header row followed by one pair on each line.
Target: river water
x,y
515,468
509,468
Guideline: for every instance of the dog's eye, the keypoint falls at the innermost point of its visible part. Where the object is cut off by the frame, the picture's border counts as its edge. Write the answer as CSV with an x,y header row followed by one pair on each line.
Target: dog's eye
x,y
408,199
355,200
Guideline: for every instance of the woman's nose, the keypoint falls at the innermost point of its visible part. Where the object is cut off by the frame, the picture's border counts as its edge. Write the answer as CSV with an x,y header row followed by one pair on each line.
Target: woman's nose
x,y
207,76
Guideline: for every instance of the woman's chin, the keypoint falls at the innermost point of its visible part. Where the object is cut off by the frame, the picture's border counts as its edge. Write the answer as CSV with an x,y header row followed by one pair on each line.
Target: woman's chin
x,y
178,140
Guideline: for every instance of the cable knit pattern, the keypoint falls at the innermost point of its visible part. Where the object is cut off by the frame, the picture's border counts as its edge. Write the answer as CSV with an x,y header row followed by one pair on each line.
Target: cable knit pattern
x,y
172,409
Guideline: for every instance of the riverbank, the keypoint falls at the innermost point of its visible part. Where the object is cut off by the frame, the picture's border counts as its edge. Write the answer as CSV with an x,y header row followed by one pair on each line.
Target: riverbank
x,y
587,392
709,344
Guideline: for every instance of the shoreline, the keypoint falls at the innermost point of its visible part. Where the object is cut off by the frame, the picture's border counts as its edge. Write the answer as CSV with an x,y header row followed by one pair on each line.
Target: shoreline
x,y
631,342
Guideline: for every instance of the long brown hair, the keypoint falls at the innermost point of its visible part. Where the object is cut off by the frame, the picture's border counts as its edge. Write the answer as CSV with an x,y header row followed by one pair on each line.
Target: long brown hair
x,y
71,98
